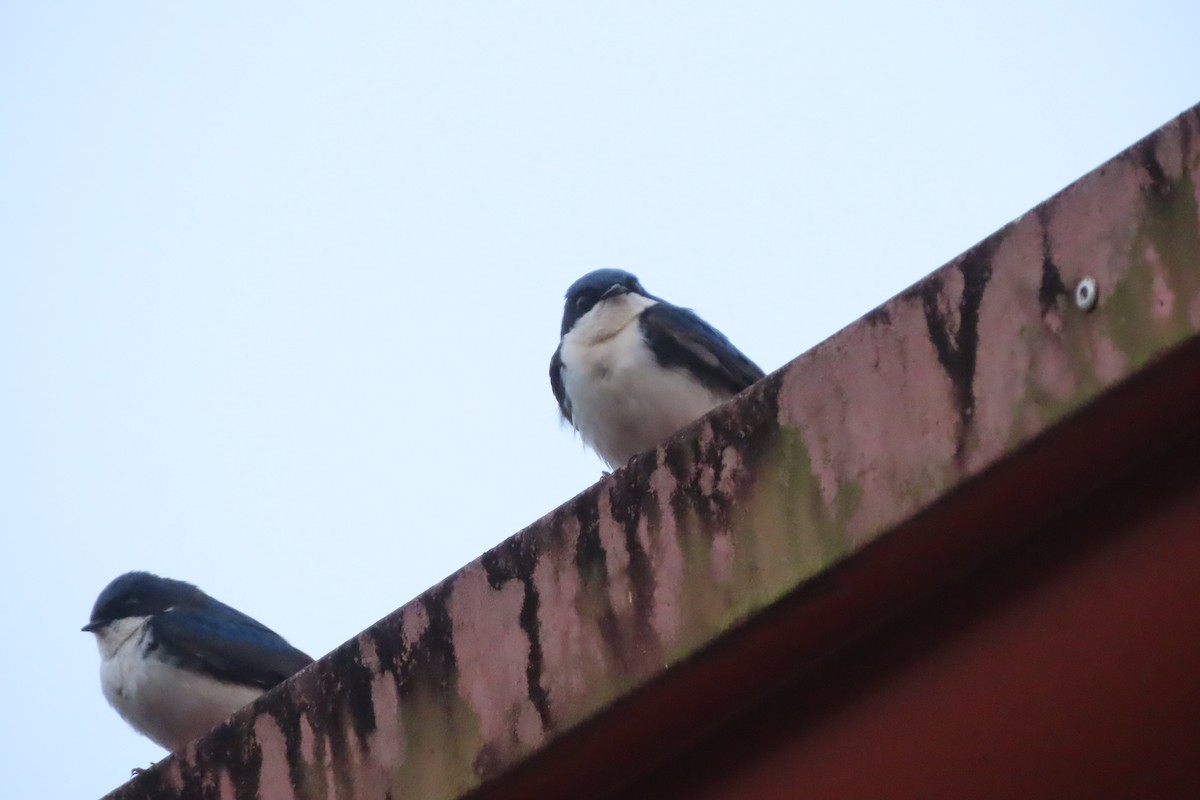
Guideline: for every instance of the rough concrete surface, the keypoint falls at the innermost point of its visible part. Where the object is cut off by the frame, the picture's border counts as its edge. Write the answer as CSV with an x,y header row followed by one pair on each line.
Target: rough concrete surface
x,y
641,571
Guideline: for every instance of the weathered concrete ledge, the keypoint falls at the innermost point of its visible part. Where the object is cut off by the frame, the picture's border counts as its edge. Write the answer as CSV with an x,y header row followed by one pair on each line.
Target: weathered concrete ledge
x,y
631,584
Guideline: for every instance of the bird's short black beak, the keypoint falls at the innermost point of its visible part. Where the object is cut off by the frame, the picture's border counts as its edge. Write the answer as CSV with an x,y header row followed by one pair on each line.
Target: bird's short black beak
x,y
93,626
614,290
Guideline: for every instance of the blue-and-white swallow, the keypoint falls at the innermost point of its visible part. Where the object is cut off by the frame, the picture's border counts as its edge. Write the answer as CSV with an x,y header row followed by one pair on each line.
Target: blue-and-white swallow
x,y
175,662
631,369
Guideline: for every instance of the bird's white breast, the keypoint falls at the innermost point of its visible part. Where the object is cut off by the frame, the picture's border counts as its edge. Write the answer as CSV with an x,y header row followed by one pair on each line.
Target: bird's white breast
x,y
622,401
171,706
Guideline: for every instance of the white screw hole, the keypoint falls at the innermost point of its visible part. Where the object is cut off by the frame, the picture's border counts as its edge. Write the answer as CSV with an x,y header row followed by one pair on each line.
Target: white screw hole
x,y
1086,294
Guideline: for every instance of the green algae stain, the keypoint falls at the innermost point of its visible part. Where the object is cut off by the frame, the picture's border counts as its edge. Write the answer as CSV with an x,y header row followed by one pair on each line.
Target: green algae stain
x,y
849,500
442,744
781,534
1169,234
1166,246
785,533
1046,407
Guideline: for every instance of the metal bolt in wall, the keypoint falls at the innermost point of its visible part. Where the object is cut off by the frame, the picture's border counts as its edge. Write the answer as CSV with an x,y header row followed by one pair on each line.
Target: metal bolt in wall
x,y
1086,294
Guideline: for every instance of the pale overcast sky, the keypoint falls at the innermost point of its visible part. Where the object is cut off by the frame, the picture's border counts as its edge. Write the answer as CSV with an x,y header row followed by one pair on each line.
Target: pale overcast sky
x,y
281,280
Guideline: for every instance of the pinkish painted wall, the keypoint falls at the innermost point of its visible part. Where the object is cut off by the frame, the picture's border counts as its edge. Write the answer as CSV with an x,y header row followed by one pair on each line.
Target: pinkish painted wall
x,y
627,582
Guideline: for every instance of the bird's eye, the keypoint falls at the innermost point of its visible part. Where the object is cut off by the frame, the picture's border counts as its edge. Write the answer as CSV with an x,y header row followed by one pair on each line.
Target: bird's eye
x,y
581,302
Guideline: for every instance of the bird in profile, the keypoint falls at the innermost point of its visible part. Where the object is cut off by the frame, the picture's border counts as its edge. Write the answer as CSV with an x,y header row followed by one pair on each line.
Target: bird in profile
x,y
175,662
631,369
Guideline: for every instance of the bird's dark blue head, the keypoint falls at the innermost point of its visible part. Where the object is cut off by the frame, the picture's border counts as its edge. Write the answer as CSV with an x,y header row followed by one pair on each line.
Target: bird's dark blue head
x,y
141,594
589,290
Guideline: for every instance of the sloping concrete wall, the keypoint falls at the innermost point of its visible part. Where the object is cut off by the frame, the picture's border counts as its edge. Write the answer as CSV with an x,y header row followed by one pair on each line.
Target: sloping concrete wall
x,y
633,581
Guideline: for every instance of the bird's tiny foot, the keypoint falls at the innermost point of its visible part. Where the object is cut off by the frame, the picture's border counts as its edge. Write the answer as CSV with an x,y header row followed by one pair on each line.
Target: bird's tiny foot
x,y
133,773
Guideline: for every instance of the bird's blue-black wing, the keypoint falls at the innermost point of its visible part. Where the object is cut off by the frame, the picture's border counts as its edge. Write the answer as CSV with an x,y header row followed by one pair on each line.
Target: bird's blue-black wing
x,y
680,338
228,645
556,383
